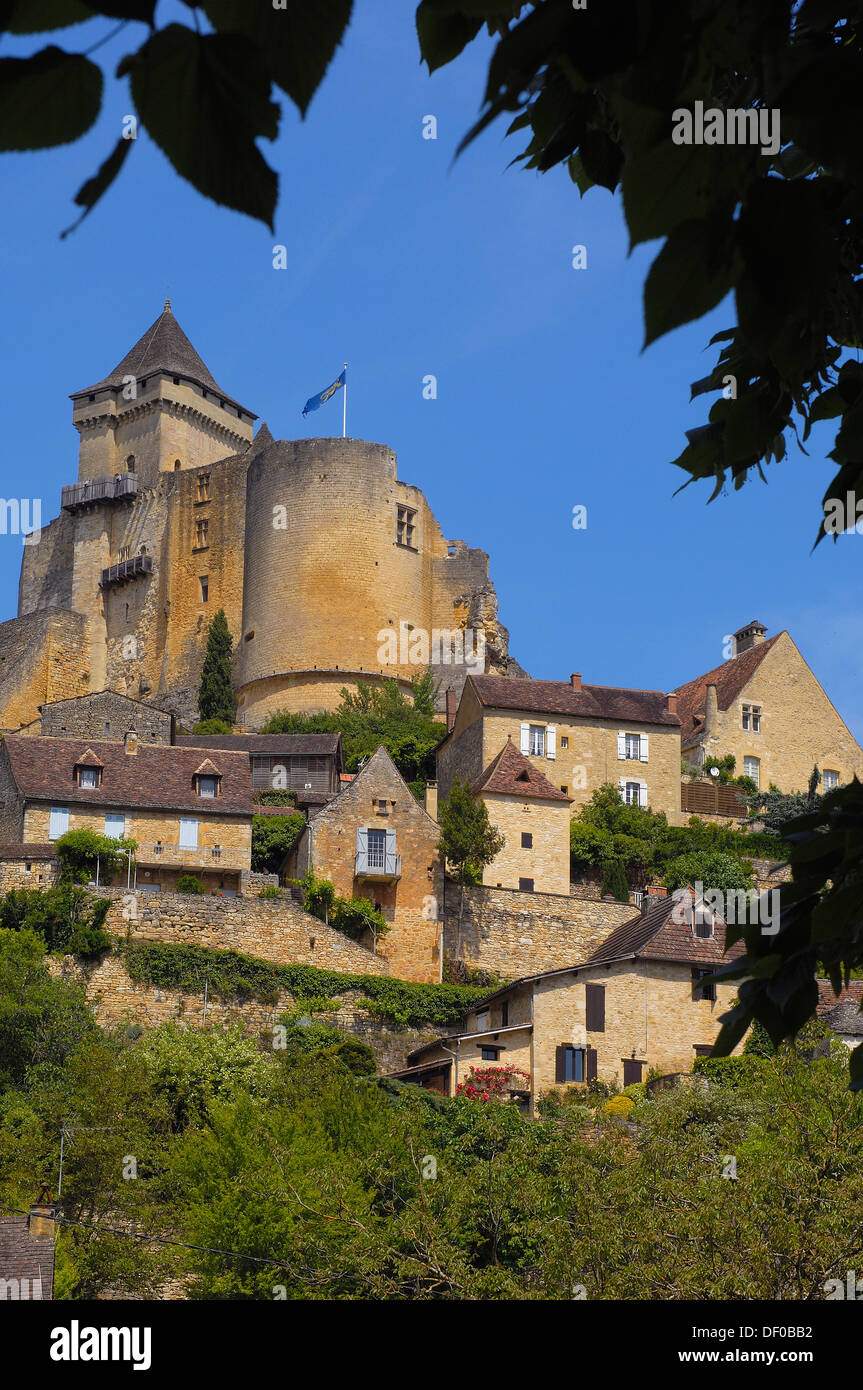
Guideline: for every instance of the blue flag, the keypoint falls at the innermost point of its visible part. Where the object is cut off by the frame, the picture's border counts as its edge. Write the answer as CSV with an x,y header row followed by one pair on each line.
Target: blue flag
x,y
315,402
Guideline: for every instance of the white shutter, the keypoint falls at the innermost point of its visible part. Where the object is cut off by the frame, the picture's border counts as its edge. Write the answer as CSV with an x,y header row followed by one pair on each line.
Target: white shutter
x,y
642,794
551,741
643,748
361,841
525,738
621,786
621,745
115,826
391,849
58,823
188,833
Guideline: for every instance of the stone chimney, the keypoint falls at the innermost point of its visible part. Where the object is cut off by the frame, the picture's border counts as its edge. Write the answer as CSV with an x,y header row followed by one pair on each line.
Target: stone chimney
x,y
431,799
711,713
575,680
671,701
451,706
749,636
130,742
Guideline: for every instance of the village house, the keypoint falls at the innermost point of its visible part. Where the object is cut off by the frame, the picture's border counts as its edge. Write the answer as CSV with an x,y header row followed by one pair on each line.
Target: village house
x,y
766,707
103,714
375,841
189,810
578,736
310,765
637,1003
533,817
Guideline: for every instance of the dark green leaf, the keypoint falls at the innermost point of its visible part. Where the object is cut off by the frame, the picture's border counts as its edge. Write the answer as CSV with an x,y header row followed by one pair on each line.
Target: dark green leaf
x,y
90,192
296,42
49,99
692,273
38,16
204,98
443,35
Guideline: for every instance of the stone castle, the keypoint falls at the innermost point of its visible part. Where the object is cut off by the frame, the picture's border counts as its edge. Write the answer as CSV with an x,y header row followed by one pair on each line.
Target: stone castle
x,y
313,547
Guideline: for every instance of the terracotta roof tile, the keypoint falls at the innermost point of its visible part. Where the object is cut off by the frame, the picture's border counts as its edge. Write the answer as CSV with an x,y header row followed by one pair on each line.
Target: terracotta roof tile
x,y
157,776
729,679
559,697
512,774
264,744
654,936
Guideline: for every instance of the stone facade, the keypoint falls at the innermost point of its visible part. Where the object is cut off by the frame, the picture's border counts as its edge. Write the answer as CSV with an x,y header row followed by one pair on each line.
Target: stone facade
x,y
544,861
511,934
104,714
406,886
798,727
585,751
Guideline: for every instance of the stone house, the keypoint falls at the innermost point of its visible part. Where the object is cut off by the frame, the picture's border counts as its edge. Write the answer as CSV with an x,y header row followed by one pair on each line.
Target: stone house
x,y
578,736
189,811
636,1003
766,707
103,714
308,764
533,817
375,841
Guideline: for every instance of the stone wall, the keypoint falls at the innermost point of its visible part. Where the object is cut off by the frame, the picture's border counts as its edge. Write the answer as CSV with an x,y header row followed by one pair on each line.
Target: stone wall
x,y
119,1000
546,862
274,929
43,656
104,714
513,934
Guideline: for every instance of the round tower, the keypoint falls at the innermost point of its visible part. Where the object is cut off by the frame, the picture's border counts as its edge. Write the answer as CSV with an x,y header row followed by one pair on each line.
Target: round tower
x,y
339,575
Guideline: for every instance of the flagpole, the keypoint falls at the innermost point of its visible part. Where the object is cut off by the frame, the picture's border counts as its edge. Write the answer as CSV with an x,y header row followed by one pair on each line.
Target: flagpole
x,y
345,407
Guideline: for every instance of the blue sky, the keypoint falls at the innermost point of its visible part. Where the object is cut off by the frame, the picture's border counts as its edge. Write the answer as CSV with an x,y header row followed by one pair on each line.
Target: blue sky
x,y
403,265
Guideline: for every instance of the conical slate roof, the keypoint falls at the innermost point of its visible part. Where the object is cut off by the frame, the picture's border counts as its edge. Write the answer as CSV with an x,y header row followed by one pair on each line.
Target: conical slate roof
x,y
164,347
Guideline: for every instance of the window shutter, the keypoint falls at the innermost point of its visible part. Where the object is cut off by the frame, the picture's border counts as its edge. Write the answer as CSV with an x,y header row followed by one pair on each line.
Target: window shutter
x,y
621,745
551,741
361,841
591,1064
525,738
560,1063
642,794
595,1008
621,787
643,748
696,985
391,847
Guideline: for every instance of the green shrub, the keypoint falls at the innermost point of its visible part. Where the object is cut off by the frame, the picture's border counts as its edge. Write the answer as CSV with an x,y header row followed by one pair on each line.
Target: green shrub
x,y
273,837
271,890
355,916
614,881
66,917
189,883
213,726
185,968
81,851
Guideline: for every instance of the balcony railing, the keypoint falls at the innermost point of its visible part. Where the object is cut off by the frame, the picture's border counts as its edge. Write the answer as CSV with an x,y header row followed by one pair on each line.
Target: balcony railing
x,y
210,857
126,570
120,488
372,864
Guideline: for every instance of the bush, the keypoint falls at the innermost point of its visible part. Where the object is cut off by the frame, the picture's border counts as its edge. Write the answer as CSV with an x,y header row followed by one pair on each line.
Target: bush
x,y
721,872
273,837
189,883
356,916
79,852
614,881
619,1105
66,917
271,890
637,1091
213,726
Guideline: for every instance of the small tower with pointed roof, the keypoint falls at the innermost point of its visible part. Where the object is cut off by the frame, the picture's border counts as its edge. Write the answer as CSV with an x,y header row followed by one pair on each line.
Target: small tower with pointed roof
x,y
160,410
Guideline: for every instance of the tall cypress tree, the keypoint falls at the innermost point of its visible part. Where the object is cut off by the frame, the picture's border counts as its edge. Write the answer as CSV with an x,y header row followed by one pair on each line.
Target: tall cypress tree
x,y
216,696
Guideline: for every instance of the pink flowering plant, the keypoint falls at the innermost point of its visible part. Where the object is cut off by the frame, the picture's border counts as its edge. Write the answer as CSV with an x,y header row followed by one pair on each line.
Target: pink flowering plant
x,y
493,1083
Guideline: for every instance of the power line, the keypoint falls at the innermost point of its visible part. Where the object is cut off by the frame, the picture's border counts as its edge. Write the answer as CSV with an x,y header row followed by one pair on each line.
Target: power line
x,y
158,1240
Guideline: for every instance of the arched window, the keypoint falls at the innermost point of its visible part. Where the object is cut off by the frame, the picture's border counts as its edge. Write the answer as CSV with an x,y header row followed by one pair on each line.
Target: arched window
x,y
176,465
130,464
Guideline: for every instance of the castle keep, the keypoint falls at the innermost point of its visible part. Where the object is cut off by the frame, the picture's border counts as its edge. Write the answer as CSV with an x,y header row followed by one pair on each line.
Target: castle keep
x,y
313,547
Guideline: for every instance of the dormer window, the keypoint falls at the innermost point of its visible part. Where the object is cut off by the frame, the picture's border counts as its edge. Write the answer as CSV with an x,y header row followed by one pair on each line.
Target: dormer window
x,y
703,922
208,780
88,771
